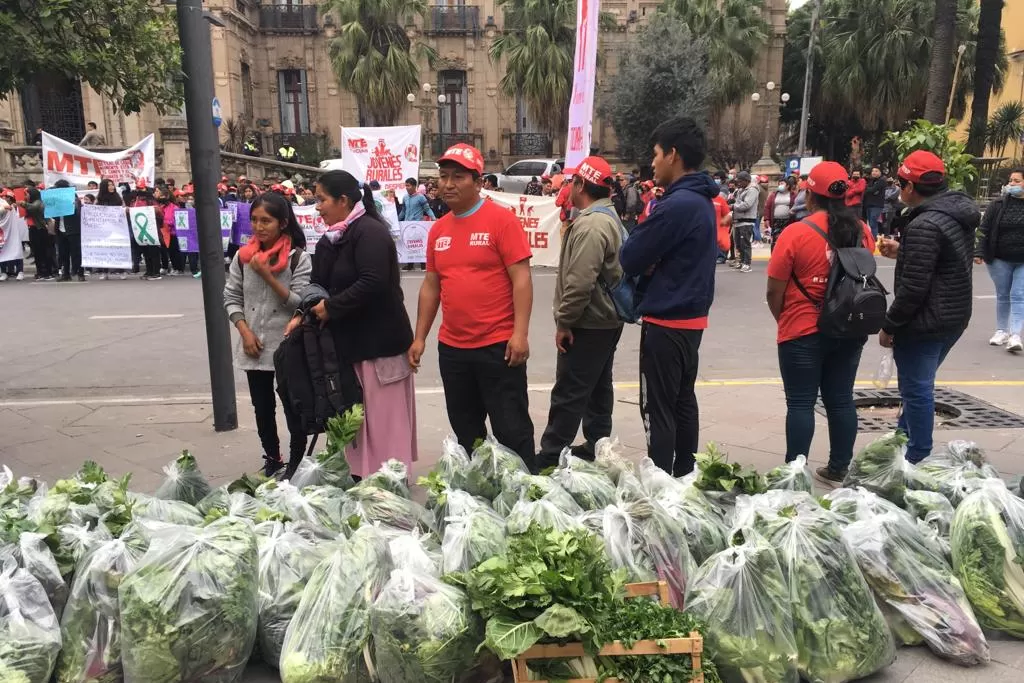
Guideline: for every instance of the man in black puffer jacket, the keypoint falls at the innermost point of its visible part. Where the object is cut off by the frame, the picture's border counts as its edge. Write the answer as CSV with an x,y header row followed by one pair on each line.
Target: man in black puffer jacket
x,y
932,294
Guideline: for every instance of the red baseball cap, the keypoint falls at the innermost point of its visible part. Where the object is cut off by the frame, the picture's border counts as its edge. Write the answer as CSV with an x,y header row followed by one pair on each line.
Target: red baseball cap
x,y
467,156
221,187
595,170
828,179
918,163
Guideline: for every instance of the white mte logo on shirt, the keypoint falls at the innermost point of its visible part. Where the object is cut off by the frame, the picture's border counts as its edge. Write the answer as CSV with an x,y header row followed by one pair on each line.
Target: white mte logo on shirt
x,y
480,239
442,243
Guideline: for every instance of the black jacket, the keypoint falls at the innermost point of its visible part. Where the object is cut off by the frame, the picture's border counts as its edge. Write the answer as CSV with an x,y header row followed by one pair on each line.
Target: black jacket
x,y
996,226
73,223
874,195
367,307
932,295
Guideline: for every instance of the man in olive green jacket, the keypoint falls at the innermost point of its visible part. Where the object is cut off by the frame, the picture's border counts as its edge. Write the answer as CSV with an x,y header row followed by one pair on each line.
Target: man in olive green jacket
x,y
588,328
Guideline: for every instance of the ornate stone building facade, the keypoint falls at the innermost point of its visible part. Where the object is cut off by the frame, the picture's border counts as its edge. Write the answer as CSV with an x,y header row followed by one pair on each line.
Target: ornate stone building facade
x,y
271,69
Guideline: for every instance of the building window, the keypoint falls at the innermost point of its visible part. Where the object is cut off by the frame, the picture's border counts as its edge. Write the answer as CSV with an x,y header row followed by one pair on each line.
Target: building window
x,y
454,113
247,107
292,101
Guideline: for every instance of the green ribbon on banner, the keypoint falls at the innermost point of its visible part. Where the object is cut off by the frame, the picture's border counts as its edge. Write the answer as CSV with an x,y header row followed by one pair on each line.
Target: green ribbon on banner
x,y
142,223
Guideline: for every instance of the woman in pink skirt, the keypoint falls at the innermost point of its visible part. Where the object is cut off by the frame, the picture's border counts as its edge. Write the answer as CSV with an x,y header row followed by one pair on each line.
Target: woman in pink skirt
x,y
357,263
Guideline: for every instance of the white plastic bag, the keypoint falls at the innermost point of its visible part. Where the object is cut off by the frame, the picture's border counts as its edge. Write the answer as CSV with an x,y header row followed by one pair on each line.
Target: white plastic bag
x,y
883,375
471,539
29,632
791,476
183,481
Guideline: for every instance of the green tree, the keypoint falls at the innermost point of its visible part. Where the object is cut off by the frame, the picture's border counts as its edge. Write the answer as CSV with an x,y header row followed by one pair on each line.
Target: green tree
x,y
938,139
988,47
372,56
736,33
538,45
125,49
941,65
662,74
1005,126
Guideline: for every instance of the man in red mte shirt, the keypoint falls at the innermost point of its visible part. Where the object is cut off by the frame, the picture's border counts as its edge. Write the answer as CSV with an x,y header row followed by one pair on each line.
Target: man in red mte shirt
x,y
478,273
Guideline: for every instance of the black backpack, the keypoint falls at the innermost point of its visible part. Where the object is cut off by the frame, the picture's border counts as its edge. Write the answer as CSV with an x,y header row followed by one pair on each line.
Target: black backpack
x,y
854,305
311,381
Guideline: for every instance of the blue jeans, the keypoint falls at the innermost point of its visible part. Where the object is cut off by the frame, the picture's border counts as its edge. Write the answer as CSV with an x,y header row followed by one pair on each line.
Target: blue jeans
x,y
814,364
1008,278
874,215
917,362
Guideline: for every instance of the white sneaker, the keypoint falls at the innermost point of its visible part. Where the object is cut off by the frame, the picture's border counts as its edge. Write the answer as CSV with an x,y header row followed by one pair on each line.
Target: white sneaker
x,y
20,276
999,338
1014,344
124,275
103,276
745,269
3,277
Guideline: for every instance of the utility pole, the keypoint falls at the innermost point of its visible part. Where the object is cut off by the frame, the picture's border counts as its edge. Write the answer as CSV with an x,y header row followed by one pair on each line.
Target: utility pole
x,y
204,154
805,112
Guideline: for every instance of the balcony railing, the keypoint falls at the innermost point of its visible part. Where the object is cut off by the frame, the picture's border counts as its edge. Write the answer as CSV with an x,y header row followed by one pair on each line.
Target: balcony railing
x,y
289,19
529,144
438,143
458,19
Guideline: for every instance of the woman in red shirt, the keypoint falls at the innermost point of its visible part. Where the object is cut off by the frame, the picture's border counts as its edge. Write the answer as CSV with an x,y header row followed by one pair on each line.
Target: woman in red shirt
x,y
809,361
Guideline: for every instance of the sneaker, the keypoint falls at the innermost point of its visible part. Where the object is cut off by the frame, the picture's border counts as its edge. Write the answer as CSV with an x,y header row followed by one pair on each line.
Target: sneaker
x,y
736,266
155,277
829,477
3,277
20,277
81,277
1015,345
999,338
197,275
745,268
272,465
124,275
103,276
731,262
164,271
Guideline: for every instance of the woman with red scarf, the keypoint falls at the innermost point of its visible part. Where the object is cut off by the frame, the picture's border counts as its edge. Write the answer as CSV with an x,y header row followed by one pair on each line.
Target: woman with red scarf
x,y
262,292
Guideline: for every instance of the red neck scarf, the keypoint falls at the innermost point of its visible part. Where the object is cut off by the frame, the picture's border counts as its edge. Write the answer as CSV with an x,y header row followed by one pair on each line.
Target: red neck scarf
x,y
276,256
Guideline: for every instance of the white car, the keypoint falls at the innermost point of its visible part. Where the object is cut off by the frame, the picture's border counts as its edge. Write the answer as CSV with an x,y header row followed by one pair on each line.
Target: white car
x,y
518,175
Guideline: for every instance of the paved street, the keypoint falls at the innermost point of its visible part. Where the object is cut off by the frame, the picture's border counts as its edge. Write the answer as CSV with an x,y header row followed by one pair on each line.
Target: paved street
x,y
84,376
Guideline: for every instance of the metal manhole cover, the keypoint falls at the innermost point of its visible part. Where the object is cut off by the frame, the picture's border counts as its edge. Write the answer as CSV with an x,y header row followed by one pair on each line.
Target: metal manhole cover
x,y
878,411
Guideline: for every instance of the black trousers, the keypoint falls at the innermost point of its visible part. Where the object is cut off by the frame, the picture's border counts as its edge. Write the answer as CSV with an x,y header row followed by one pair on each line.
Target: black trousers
x,y
69,249
151,253
261,391
42,251
582,393
668,403
479,384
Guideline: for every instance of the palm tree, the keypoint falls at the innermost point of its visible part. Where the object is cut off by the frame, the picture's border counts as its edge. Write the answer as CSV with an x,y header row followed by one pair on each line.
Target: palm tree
x,y
940,70
736,32
537,46
373,57
1005,126
989,35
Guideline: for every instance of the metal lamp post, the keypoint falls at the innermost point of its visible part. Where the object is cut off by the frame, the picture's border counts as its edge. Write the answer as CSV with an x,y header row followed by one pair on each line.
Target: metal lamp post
x,y
427,108
766,165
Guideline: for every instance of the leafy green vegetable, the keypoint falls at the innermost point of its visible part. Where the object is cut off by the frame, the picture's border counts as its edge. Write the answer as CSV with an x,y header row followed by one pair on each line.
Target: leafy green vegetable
x,y
183,481
840,632
722,480
792,476
170,511
557,580
490,463
588,484
541,512
330,467
452,466
325,640
317,505
881,467
33,555
932,508
29,632
91,625
423,630
913,579
471,539
530,487
242,506
957,471
704,527
392,476
987,539
189,608
372,504
742,595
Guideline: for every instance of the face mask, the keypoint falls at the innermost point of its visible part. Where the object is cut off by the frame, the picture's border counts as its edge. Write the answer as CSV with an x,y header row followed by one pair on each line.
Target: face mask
x,y
718,181
1014,190
782,188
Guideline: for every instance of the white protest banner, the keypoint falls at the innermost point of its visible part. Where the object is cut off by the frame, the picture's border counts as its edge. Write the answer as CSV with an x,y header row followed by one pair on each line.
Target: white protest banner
x,y
581,106
311,223
388,155
539,218
387,209
411,241
105,239
807,163
142,221
13,231
79,166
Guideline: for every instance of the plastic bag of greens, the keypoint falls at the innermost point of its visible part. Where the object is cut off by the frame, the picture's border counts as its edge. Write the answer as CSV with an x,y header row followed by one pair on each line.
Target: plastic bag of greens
x,y
392,476
623,541
792,476
33,555
74,542
542,512
372,504
665,543
216,498
881,467
91,624
29,631
471,539
189,607
909,576
742,596
423,630
706,531
841,634
317,505
243,506
588,484
488,466
747,507
183,481
722,481
326,468
608,457
851,505
522,486
415,552
456,504
453,464
987,539
628,487
171,511
932,508
286,561
326,639
958,470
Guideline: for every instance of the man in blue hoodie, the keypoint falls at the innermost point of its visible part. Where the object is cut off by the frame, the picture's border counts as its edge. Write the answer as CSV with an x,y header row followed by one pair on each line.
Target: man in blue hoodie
x,y
674,250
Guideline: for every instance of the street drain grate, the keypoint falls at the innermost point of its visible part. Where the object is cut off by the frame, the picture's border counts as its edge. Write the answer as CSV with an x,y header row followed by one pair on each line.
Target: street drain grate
x,y
878,411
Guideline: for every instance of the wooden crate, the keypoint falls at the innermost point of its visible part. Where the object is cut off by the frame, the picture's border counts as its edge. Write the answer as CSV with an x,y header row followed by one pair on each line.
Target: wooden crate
x,y
693,646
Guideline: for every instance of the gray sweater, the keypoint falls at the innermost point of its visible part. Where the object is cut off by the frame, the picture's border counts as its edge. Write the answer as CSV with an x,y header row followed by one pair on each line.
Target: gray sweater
x,y
744,209
247,296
